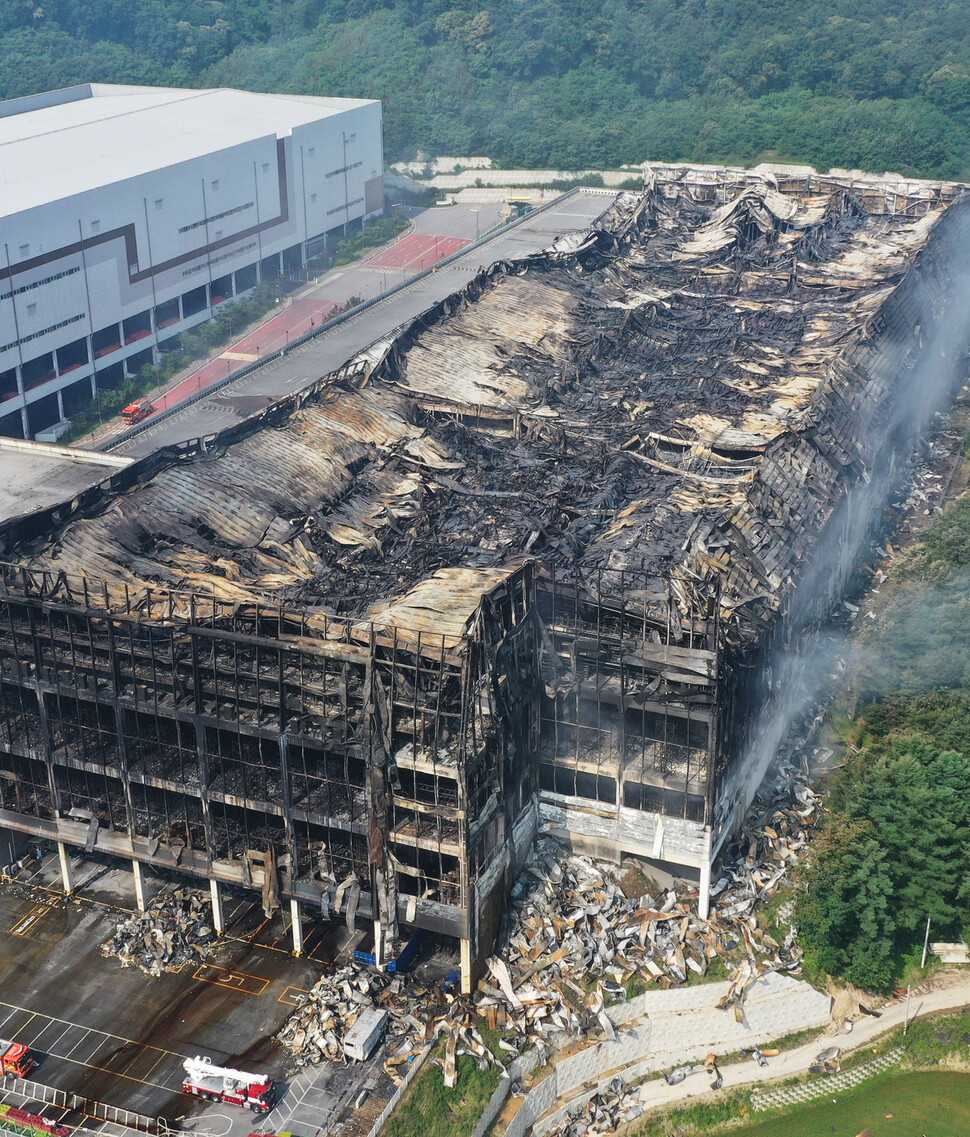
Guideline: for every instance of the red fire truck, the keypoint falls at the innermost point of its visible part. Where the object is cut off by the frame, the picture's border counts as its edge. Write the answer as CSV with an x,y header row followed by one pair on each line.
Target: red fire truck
x,y
204,1079
136,411
15,1059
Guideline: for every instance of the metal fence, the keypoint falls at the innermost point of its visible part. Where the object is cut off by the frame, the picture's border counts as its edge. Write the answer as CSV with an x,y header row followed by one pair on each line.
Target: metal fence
x,y
62,1099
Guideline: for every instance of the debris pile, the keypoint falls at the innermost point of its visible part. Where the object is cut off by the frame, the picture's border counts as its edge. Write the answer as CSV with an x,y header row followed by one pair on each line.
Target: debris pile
x,y
572,923
315,1031
575,940
175,929
827,1061
603,1113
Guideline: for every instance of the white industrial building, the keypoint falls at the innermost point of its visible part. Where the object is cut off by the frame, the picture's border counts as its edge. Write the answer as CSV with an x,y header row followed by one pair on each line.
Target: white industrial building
x,y
127,214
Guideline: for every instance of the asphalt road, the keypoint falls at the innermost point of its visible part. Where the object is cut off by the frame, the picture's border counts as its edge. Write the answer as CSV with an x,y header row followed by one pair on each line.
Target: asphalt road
x,y
331,349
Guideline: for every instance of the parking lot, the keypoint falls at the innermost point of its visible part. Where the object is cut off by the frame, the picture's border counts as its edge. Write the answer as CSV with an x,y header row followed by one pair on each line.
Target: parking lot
x,y
114,1034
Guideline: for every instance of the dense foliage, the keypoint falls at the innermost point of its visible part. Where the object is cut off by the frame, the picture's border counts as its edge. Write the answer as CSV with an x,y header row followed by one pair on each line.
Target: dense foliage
x,y
569,83
896,843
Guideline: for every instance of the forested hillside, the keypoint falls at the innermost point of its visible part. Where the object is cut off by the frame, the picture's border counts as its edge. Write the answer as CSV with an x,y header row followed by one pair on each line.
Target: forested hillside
x,y
895,845
881,84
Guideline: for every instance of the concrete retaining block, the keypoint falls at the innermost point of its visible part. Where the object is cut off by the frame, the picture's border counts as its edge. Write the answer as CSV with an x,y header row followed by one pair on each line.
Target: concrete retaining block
x,y
682,1026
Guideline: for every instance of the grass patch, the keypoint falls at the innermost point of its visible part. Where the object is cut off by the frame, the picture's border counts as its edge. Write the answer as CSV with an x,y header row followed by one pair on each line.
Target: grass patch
x,y
718,969
921,1102
700,1116
796,1038
916,1098
929,1041
430,1109
372,235
636,986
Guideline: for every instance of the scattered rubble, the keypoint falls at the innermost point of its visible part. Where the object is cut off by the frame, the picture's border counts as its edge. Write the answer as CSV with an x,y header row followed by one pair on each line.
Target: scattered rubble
x,y
827,1061
574,942
603,1112
175,929
315,1032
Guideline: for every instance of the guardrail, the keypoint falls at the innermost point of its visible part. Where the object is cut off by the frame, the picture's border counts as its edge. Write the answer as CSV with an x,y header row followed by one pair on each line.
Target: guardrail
x,y
37,1091
63,1099
235,376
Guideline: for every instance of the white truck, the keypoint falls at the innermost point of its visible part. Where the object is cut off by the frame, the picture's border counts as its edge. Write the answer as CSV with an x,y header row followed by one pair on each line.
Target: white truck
x,y
204,1079
365,1034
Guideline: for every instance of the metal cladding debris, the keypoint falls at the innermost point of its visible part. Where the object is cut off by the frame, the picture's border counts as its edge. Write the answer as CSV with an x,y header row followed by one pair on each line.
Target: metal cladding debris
x,y
573,925
315,1032
605,1111
573,941
175,929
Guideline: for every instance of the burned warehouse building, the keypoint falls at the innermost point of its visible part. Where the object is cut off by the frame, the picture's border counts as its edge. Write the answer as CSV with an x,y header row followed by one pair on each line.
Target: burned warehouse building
x,y
541,558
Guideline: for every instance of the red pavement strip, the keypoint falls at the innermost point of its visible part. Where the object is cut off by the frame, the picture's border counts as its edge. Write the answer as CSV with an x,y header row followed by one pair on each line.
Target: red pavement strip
x,y
416,252
300,317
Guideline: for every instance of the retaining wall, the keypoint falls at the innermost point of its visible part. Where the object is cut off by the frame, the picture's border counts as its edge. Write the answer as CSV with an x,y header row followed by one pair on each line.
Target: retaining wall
x,y
680,1026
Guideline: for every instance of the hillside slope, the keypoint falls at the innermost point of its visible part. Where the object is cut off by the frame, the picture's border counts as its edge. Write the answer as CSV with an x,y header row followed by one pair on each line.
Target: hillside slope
x,y
568,83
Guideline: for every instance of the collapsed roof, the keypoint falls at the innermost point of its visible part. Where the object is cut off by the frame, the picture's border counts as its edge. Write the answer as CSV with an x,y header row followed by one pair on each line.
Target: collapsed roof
x,y
674,397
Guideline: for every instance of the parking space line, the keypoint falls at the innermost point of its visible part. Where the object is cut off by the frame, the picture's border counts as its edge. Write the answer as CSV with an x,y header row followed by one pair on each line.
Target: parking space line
x,y
252,939
115,1074
91,1050
47,1050
101,1038
235,980
136,1057
162,1054
85,1031
147,1052
289,996
31,1015
31,919
7,1017
283,935
32,1040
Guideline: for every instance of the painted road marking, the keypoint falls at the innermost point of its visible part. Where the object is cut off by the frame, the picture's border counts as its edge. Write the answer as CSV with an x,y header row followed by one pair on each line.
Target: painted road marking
x,y
419,250
290,996
33,917
245,356
65,1051
284,935
3,1023
57,1033
236,980
18,1021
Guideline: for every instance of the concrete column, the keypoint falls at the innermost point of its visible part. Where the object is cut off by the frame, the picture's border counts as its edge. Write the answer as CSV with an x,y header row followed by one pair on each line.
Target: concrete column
x,y
60,406
139,876
67,874
466,966
379,944
704,894
297,921
217,921
704,888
